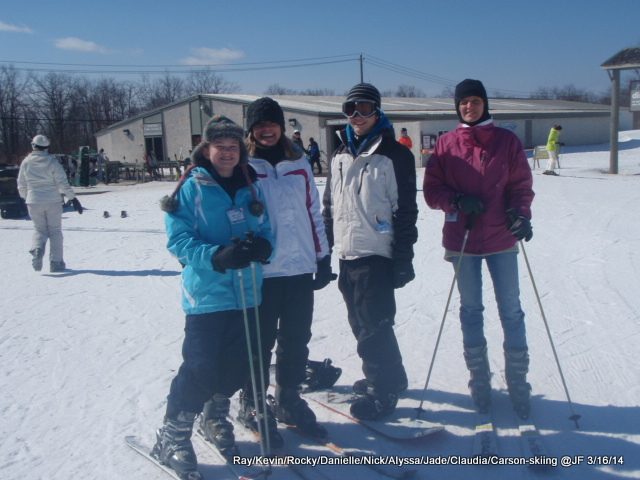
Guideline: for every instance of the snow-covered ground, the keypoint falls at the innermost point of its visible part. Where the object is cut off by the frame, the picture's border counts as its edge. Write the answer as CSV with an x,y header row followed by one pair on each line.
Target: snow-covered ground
x,y
87,356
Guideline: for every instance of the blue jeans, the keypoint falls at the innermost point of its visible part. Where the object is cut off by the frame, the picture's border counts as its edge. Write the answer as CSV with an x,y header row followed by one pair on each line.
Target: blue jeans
x,y
503,268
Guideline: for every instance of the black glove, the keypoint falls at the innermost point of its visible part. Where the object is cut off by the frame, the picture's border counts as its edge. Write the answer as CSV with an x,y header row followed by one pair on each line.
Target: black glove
x,y
402,273
258,249
324,274
519,226
76,205
470,205
233,257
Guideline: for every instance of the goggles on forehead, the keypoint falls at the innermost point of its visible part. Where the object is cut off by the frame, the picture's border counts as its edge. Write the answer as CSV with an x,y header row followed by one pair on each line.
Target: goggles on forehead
x,y
363,108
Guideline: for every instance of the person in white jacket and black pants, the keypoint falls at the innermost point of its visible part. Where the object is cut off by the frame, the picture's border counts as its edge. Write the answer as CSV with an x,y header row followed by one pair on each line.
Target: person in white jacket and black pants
x,y
41,181
370,214
300,264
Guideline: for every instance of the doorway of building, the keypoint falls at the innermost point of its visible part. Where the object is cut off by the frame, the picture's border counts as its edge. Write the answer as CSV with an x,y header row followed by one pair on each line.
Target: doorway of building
x,y
154,144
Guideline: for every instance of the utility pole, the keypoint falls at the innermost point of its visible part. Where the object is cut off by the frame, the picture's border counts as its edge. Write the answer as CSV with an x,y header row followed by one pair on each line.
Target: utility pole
x,y
615,121
361,71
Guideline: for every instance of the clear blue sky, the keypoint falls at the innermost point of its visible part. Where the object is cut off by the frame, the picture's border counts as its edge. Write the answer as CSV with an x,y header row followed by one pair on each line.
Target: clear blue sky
x,y
511,45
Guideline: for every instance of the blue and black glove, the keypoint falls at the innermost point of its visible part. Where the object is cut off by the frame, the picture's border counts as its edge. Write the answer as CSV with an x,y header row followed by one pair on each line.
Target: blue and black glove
x,y
241,254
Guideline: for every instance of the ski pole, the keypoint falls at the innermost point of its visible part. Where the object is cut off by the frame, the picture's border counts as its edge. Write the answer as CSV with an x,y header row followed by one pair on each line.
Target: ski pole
x,y
263,386
573,416
250,351
467,227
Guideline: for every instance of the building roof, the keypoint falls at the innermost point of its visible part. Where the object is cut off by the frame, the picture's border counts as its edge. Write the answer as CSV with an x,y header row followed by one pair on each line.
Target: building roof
x,y
332,105
397,107
624,59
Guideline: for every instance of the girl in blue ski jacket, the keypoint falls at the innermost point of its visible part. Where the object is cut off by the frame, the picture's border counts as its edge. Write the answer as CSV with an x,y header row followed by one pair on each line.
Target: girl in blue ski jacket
x,y
208,221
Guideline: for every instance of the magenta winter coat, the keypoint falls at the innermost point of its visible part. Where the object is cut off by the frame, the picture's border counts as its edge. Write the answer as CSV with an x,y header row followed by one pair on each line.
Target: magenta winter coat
x,y
488,162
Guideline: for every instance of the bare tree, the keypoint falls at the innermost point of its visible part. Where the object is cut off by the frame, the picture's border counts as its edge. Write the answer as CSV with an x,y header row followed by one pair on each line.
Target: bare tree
x,y
55,98
13,103
208,81
277,89
447,92
409,91
161,91
319,92
542,93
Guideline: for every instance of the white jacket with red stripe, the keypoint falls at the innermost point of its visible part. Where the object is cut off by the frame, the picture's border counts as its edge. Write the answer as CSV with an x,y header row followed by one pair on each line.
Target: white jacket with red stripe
x,y
293,205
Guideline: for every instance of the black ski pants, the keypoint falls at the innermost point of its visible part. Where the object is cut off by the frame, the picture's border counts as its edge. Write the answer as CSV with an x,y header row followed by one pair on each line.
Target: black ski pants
x,y
367,287
215,360
286,313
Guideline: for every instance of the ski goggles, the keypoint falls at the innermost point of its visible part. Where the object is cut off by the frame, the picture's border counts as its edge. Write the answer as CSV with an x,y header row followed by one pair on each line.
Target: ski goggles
x,y
363,108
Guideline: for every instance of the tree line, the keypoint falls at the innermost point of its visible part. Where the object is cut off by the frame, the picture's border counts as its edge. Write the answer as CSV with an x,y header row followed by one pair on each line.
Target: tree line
x,y
71,109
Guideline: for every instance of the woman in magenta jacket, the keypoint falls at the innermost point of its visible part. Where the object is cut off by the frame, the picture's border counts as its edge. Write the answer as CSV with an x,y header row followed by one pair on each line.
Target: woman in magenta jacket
x,y
480,172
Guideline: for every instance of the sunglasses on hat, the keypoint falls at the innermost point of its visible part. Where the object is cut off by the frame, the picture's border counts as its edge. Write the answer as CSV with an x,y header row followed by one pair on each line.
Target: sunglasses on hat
x,y
363,108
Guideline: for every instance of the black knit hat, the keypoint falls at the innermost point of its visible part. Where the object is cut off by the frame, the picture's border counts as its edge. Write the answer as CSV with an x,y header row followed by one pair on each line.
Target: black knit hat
x,y
264,109
469,88
222,127
365,91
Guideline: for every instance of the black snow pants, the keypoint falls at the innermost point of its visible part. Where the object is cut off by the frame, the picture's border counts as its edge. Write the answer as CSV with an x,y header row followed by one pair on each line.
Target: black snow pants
x,y
285,314
367,287
215,360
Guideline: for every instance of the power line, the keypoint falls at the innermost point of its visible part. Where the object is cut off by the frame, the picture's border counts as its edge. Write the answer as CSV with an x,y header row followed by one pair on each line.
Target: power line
x,y
236,67
150,69
380,63
176,65
164,72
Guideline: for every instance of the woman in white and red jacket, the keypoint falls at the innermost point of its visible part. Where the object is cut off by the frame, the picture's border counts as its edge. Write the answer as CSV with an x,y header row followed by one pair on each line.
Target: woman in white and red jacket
x,y
479,173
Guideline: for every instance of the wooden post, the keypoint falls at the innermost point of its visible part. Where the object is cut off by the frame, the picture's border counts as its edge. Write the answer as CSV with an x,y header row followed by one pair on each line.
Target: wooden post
x,y
615,120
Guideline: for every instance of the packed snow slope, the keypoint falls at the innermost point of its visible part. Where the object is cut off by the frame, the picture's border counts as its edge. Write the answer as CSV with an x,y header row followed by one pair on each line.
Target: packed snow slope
x,y
87,355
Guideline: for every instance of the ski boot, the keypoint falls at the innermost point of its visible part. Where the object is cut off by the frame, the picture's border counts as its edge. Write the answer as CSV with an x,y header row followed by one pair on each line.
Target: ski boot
x,y
374,404
248,416
216,427
516,369
56,267
360,387
37,253
480,382
293,410
320,375
173,447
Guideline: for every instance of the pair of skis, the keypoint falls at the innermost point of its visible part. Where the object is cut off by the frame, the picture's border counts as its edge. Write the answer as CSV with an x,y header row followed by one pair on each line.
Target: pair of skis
x,y
237,472
485,439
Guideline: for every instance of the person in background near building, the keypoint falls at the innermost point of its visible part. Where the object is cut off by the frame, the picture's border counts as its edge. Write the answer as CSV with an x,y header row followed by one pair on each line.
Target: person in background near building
x,y
102,159
217,202
552,148
314,155
297,141
479,173
301,251
153,165
370,214
41,180
405,139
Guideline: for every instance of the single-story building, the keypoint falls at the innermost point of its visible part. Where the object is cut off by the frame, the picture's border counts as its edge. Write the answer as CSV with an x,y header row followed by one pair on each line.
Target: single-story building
x,y
172,130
